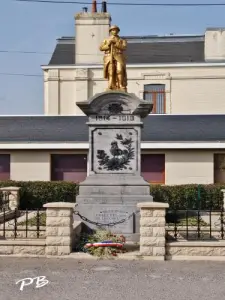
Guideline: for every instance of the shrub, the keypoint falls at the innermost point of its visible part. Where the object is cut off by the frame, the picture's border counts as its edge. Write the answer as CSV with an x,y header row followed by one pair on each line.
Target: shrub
x,y
190,196
33,194
36,193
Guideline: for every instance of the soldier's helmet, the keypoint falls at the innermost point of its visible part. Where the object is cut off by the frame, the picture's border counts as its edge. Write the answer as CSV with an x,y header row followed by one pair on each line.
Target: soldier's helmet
x,y
115,27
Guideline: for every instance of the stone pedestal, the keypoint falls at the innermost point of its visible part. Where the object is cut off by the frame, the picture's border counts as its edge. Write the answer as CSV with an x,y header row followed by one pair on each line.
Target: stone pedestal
x,y
153,229
114,186
59,228
12,195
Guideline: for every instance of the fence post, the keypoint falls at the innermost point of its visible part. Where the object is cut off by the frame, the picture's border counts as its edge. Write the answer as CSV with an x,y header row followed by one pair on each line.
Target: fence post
x,y
153,229
59,228
223,191
13,194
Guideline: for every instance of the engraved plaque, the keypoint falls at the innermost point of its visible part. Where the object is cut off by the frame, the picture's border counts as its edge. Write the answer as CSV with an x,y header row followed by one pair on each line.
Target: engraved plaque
x,y
114,150
109,215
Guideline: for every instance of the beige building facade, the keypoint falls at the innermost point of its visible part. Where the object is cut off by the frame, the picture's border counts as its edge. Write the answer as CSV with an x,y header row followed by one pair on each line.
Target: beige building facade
x,y
179,166
189,69
189,88
183,140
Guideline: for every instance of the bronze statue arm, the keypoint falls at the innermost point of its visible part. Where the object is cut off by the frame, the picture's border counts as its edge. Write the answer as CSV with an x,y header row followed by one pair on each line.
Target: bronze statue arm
x,y
104,46
121,45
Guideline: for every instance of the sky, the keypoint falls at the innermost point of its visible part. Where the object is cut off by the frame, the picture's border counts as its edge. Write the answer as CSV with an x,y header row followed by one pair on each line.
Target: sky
x,y
36,26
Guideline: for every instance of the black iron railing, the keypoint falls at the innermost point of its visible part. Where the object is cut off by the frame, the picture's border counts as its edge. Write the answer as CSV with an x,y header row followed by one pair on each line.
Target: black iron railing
x,y
4,200
23,224
195,224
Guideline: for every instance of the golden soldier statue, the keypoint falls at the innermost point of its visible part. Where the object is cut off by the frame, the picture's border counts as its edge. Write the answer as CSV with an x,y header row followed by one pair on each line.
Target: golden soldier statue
x,y
114,60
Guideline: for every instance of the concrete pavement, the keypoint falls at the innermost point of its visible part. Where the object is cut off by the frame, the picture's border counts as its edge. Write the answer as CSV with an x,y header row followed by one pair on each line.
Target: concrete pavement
x,y
71,279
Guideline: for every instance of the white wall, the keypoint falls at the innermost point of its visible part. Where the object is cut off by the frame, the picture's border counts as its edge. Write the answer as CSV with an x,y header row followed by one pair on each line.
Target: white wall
x,y
91,29
189,167
215,44
191,90
181,166
34,165
30,165
201,96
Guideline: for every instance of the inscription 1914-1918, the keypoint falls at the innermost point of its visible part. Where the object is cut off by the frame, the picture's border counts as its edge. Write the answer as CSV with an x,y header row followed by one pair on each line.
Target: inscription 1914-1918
x,y
119,118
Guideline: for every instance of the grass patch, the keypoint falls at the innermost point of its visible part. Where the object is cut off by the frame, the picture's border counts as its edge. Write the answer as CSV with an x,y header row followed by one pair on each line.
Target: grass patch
x,y
192,221
33,221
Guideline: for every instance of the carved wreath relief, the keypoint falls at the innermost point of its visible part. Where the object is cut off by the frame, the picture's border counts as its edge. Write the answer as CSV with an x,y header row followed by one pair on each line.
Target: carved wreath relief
x,y
119,155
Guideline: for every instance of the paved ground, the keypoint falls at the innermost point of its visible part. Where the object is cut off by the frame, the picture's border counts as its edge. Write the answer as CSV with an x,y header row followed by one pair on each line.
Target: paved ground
x,y
128,280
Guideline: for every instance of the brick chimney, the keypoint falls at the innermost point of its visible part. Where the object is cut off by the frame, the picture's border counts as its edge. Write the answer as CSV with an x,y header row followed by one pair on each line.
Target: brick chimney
x,y
215,44
91,28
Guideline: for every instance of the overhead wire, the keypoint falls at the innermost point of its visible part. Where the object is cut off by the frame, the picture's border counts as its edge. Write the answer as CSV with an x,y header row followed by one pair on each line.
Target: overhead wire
x,y
89,3
125,4
20,74
49,53
23,52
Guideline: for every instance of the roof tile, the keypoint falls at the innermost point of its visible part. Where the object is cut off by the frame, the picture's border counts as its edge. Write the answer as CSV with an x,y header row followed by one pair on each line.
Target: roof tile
x,y
165,51
157,128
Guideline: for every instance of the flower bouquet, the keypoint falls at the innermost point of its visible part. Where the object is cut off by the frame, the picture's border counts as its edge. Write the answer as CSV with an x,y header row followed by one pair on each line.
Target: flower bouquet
x,y
104,243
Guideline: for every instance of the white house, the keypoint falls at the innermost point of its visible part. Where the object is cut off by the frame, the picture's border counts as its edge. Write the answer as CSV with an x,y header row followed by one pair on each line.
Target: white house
x,y
183,140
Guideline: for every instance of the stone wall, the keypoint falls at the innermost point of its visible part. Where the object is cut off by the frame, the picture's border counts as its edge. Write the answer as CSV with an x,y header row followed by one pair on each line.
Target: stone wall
x,y
23,247
195,250
153,244
60,235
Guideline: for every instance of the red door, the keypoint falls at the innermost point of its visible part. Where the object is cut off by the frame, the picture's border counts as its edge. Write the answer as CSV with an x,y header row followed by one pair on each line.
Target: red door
x,y
69,167
153,167
4,166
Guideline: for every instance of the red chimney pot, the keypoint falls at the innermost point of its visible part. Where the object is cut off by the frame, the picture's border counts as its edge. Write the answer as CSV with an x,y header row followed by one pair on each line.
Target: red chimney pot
x,y
94,6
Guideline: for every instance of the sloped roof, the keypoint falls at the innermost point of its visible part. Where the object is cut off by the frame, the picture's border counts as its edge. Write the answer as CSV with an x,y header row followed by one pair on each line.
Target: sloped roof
x,y
157,128
143,50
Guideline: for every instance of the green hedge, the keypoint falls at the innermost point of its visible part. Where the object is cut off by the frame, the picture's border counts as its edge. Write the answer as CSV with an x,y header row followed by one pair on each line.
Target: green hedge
x,y
189,196
35,193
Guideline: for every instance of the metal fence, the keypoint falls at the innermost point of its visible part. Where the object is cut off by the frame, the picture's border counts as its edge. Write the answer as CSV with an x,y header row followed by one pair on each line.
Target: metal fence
x,y
4,200
195,224
22,223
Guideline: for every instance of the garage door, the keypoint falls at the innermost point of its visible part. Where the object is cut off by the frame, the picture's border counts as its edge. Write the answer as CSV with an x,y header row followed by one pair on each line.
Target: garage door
x,y
69,167
153,167
4,166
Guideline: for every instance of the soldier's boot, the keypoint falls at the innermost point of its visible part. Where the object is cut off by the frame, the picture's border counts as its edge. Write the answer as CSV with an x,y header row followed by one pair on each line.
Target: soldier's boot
x,y
120,83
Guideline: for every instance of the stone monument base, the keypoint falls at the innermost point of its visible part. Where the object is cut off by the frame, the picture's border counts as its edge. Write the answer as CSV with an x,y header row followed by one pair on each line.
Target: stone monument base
x,y
110,213
113,201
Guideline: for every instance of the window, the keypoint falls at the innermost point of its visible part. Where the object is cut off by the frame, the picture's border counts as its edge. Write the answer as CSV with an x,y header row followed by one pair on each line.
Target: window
x,y
69,167
219,168
157,95
4,166
153,167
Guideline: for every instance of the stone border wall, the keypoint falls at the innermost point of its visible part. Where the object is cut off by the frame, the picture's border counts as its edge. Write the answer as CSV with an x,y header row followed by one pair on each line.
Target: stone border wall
x,y
153,244
61,234
195,250
23,247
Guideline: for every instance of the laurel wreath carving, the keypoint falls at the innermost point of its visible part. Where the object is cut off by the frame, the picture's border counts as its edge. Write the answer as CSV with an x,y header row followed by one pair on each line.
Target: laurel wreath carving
x,y
120,158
